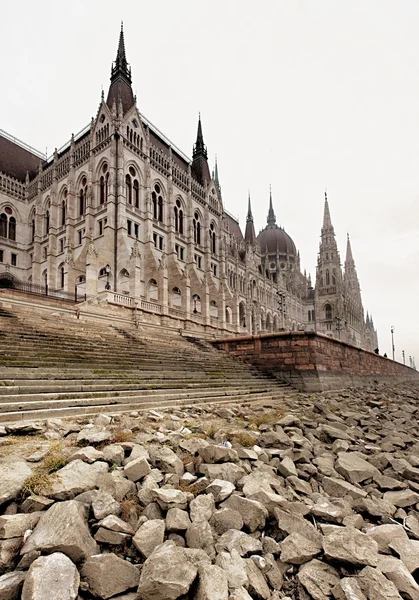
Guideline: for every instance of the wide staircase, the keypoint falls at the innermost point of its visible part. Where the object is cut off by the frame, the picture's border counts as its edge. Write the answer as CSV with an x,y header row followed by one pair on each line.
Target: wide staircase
x,y
57,366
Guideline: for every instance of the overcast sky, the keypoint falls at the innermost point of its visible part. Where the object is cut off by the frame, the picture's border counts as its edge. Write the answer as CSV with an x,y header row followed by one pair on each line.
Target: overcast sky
x,y
301,94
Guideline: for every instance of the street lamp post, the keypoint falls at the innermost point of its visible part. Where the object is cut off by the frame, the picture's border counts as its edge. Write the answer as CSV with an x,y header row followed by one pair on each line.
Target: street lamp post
x,y
194,298
404,357
392,339
108,272
282,307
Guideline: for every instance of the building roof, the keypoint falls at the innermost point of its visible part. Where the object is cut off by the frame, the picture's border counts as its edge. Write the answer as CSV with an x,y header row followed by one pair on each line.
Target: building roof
x,y
17,159
275,240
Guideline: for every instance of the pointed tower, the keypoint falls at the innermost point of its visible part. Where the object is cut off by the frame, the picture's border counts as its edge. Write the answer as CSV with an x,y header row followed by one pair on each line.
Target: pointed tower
x,y
329,284
120,90
271,215
215,176
200,168
250,235
351,276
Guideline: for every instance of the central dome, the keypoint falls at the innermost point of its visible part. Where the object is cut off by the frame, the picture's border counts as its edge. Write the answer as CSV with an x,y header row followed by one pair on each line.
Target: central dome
x,y
275,240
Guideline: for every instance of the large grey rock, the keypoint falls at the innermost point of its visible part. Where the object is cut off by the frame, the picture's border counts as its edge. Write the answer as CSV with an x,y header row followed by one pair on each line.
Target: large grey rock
x,y
385,534
408,550
93,435
257,586
288,523
376,586
254,514
166,460
338,488
137,469
75,478
9,550
177,520
228,471
202,507
24,428
296,549
63,528
35,503
108,575
395,570
168,498
240,541
116,485
234,566
54,576
354,468
104,505
402,498
318,579
240,594
220,489
212,454
199,535
148,536
12,526
88,454
11,585
13,474
348,588
226,518
167,574
213,583
348,545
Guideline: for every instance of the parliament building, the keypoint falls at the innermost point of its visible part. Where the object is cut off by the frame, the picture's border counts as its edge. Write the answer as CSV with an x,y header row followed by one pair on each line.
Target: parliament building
x,y
119,215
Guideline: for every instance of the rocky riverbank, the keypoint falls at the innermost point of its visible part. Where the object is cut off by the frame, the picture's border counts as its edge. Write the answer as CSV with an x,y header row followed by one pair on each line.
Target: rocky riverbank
x,y
315,499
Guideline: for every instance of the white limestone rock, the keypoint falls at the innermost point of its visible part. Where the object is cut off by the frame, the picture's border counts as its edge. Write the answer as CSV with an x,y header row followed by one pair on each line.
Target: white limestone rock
x,y
234,566
12,526
104,505
75,478
212,584
63,528
13,474
137,469
202,507
318,579
395,570
54,576
93,435
348,545
220,489
376,586
148,536
354,468
11,585
108,575
254,514
297,550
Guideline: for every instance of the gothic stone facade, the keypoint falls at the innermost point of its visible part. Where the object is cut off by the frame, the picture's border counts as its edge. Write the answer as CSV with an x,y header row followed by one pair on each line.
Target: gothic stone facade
x,y
119,207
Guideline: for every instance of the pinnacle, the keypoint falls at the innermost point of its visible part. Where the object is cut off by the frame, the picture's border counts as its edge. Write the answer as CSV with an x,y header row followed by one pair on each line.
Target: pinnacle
x,y
271,214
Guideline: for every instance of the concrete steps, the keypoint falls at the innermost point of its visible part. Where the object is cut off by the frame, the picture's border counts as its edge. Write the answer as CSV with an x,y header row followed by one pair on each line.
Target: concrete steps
x,y
50,367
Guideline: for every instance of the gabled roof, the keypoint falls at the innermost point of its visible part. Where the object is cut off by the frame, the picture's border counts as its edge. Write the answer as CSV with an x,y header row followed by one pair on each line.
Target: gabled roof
x,y
16,158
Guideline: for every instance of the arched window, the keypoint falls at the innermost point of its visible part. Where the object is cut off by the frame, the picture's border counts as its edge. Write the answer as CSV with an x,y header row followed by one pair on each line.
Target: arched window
x,y
102,190
63,212
212,238
12,229
33,230
334,277
178,217
82,200
160,211
157,200
196,229
61,276
327,277
136,188
3,225
128,184
328,312
45,278
47,222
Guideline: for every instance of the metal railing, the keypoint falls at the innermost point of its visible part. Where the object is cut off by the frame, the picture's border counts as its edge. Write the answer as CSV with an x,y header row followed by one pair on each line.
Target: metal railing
x,y
40,290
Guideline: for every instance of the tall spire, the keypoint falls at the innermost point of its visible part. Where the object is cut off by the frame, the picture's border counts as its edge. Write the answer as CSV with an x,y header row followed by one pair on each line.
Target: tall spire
x,y
200,167
271,214
120,90
327,221
199,148
349,258
120,66
249,234
215,176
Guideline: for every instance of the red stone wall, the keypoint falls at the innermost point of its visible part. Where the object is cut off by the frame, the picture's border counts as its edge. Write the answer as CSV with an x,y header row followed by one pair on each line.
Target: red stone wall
x,y
314,362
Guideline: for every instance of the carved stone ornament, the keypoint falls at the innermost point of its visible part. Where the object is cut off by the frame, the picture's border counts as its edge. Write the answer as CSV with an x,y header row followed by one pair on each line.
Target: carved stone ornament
x,y
91,249
163,261
135,250
69,257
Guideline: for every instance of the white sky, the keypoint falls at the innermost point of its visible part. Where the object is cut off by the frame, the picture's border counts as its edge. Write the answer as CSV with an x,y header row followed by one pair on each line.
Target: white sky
x,y
302,94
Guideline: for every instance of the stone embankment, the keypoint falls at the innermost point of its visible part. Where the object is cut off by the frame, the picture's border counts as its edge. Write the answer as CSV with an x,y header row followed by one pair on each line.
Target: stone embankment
x,y
315,499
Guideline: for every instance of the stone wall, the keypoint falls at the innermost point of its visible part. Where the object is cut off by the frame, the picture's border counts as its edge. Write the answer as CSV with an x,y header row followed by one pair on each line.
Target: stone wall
x,y
315,362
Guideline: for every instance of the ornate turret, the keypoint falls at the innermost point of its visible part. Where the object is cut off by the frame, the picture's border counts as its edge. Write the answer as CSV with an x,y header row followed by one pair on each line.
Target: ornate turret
x,y
200,167
215,176
120,90
351,276
250,235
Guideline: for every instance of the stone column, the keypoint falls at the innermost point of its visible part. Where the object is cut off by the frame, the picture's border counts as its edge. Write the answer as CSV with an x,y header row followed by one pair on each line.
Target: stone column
x,y
163,285
91,270
135,271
